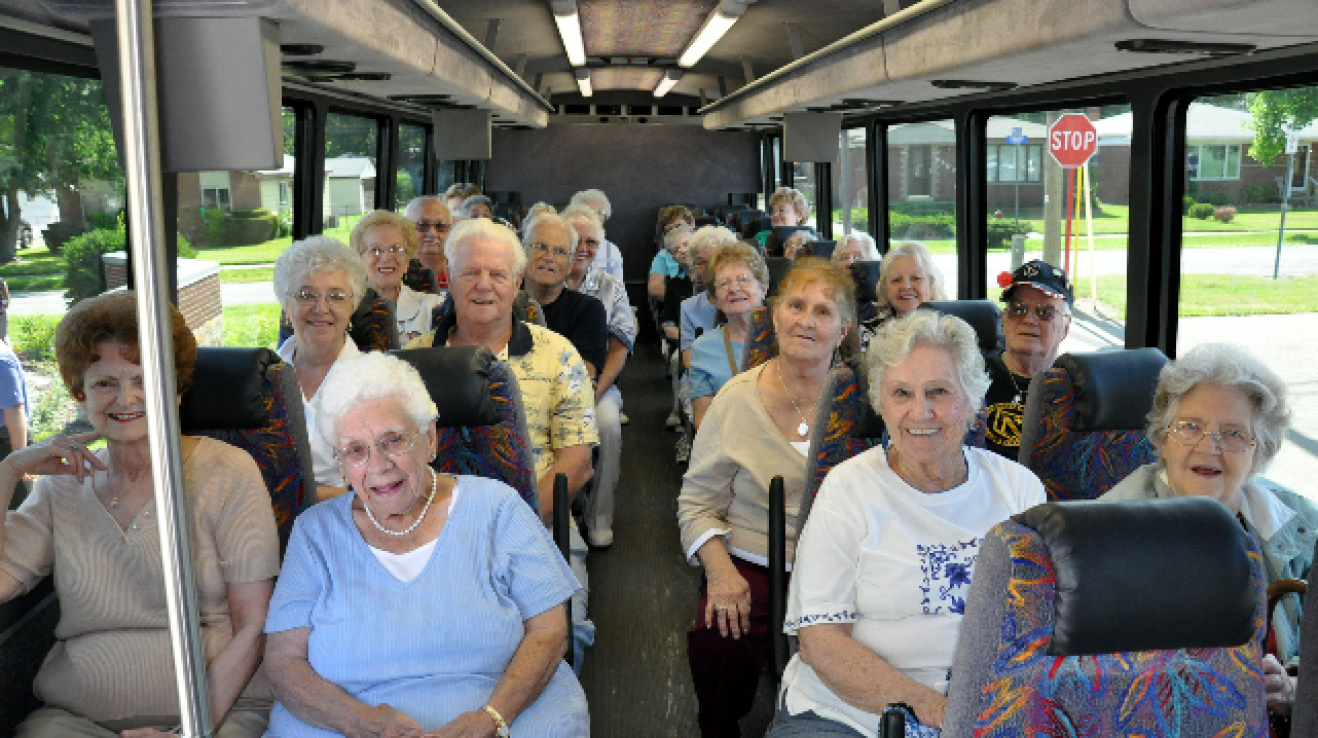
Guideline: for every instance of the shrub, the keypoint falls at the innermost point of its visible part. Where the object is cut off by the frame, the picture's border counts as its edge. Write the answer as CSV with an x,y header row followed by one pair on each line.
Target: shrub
x,y
932,225
285,227
82,257
1187,202
1202,211
1224,213
34,336
212,229
1215,198
1261,193
1001,231
185,250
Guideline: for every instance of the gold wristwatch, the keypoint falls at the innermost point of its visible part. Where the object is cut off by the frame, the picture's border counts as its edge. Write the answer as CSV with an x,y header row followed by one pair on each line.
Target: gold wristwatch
x,y
500,725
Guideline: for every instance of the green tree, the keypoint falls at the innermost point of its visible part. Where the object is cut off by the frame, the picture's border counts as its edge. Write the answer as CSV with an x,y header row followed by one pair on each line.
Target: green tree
x,y
54,134
1276,113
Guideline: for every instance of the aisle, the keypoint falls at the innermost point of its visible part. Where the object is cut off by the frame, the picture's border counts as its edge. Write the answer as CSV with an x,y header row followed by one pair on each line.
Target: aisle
x,y
643,593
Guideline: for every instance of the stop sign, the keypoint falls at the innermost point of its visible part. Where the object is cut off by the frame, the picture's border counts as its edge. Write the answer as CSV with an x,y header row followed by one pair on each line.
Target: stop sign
x,y
1072,140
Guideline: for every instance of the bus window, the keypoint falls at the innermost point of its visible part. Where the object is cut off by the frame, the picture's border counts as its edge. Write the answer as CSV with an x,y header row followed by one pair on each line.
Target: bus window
x,y
1236,285
922,191
447,175
350,146
850,193
1034,198
411,164
803,176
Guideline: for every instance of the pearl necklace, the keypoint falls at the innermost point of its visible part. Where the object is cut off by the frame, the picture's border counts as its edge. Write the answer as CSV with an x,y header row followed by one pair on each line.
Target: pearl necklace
x,y
434,485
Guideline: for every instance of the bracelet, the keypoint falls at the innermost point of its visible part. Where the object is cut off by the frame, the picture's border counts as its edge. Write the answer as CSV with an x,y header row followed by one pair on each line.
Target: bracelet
x,y
500,725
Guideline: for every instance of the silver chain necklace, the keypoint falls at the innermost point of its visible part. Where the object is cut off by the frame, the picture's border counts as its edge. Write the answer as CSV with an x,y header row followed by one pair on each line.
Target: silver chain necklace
x,y
803,429
434,485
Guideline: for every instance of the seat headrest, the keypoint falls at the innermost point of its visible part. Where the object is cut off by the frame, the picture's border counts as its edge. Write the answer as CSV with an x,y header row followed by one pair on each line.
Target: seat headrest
x,y
1113,389
458,379
866,275
227,390
823,249
1146,575
778,266
982,315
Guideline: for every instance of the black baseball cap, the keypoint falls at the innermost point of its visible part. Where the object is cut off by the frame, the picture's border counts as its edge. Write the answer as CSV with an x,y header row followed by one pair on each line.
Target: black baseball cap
x,y
1040,275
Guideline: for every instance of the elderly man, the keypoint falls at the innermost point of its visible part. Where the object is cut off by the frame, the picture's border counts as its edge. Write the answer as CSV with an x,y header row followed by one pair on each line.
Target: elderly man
x,y
486,262
433,222
1035,320
551,244
600,504
609,257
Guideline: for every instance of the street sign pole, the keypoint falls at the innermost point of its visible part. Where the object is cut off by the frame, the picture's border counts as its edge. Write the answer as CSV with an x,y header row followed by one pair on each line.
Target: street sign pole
x,y
1017,169
1292,146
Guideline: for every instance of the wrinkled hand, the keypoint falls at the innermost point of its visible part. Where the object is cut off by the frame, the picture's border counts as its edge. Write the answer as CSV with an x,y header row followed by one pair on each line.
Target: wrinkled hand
x,y
728,601
474,724
58,454
386,722
1278,685
147,733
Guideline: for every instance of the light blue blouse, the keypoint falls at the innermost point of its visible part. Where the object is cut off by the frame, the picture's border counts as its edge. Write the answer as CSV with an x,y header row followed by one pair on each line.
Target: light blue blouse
x,y
666,264
709,363
435,647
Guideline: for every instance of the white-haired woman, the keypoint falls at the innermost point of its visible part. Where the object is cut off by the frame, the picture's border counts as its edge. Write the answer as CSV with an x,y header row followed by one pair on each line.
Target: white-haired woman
x,y
421,603
1219,416
386,242
884,562
320,282
670,262
855,246
907,279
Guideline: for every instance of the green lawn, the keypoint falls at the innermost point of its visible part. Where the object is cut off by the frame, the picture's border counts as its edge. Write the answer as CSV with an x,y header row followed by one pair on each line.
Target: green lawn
x,y
261,253
1215,295
251,325
1114,219
236,276
33,261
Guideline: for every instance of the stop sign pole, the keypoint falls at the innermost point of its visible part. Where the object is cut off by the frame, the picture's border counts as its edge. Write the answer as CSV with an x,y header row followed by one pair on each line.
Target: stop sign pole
x,y
1072,142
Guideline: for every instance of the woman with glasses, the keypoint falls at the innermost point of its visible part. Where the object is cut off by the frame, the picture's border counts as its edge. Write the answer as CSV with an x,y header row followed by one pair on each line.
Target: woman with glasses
x,y
421,603
740,282
386,243
91,522
1218,418
319,282
907,279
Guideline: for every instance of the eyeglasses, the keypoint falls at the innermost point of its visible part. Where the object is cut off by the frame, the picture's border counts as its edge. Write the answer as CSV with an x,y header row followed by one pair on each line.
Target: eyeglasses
x,y
1190,432
311,297
1045,313
392,444
558,251
378,251
437,225
740,281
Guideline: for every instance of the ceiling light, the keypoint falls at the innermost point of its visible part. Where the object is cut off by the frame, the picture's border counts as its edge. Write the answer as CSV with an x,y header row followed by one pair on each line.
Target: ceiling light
x,y
670,80
569,29
715,25
583,82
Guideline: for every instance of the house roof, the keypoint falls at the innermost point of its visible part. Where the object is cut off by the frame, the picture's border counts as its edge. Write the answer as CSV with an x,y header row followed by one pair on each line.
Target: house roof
x,y
1204,123
284,172
349,167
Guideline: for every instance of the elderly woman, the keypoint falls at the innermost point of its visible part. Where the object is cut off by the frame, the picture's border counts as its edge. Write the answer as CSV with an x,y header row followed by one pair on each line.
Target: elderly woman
x,y
885,560
320,282
91,521
740,281
386,242
457,193
674,216
1218,419
787,207
855,246
907,278
758,427
669,266
478,206
421,603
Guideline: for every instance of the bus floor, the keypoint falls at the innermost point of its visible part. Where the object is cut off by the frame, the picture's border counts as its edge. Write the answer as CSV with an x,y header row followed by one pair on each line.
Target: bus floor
x,y
642,592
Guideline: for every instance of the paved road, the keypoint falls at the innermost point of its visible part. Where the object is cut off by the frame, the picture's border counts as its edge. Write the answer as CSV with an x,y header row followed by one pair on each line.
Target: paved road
x,y
52,303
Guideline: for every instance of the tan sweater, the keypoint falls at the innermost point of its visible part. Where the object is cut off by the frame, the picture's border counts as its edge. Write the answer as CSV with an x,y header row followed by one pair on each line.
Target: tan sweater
x,y
737,452
112,657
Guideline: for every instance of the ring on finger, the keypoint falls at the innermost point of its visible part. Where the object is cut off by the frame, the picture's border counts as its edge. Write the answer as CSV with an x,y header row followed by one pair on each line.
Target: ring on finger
x,y
721,608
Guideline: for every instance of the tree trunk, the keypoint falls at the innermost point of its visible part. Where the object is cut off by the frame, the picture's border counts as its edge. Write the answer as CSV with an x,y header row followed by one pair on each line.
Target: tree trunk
x,y
70,205
1054,196
11,222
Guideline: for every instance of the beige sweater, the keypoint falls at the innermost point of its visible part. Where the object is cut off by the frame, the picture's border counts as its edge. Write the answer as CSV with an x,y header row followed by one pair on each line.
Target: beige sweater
x,y
112,657
737,452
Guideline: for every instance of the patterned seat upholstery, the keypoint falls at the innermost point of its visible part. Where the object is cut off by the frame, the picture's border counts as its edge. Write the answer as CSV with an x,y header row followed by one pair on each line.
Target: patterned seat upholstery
x,y
1084,424
761,343
249,399
482,428
1113,619
1305,719
372,327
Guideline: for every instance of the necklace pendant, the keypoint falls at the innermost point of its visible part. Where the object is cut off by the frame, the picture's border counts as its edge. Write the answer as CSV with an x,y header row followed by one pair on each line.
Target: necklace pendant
x,y
803,429
1016,400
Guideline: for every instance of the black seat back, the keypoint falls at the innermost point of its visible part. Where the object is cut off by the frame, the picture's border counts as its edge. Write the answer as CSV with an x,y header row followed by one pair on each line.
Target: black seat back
x,y
982,315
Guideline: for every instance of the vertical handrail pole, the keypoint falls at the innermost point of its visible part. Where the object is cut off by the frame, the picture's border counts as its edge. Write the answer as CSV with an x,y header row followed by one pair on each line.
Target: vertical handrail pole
x,y
137,74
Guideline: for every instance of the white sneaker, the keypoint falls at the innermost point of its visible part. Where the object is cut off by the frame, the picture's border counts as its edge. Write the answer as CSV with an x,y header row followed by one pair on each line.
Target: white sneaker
x,y
599,538
673,421
622,417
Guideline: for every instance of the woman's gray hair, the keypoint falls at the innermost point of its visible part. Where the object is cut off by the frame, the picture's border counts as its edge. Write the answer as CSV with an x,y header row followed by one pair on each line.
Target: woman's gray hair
x,y
672,237
869,251
540,208
314,254
1232,367
549,220
586,213
919,253
366,377
895,340
708,237
595,200
469,204
480,229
